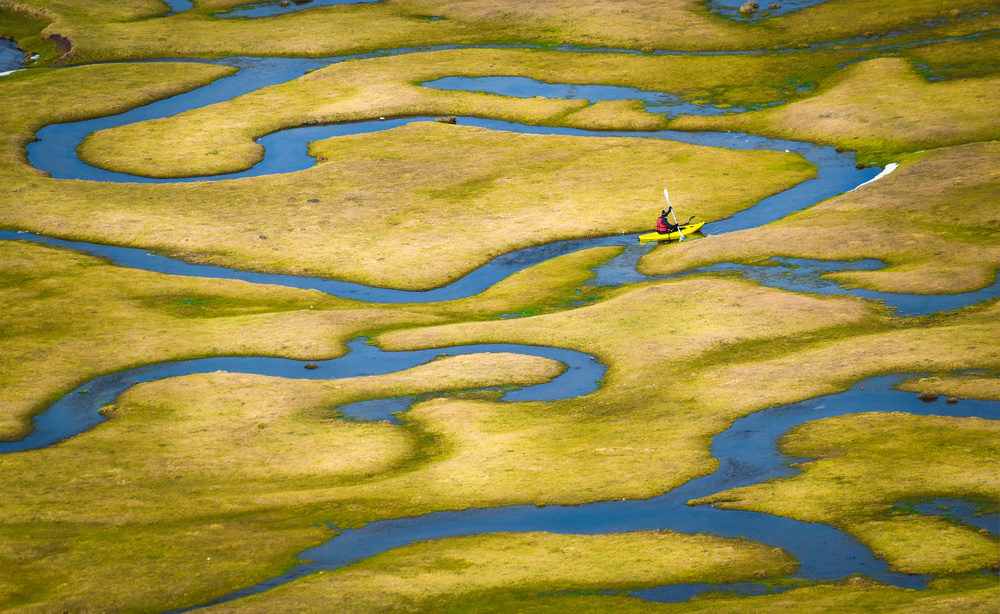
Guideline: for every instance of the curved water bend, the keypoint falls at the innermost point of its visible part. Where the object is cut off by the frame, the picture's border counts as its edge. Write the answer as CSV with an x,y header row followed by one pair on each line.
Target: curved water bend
x,y
12,58
662,103
79,409
273,8
747,453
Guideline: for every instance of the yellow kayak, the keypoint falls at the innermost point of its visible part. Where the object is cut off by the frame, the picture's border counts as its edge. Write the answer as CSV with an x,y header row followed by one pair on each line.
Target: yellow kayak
x,y
687,229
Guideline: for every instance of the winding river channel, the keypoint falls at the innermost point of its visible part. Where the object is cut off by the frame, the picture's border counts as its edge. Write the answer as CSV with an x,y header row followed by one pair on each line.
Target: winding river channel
x,y
746,451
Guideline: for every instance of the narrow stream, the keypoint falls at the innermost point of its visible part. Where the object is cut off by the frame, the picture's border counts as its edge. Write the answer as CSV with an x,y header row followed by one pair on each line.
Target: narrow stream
x,y
11,58
274,8
747,453
746,450
79,409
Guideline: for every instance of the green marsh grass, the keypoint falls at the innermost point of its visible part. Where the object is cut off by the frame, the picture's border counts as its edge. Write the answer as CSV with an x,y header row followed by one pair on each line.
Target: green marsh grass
x,y
71,317
933,221
134,29
967,594
879,107
201,485
461,196
867,462
221,138
436,575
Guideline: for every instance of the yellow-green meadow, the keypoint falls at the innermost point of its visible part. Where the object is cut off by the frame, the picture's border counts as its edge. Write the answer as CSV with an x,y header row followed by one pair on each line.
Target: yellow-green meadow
x,y
196,486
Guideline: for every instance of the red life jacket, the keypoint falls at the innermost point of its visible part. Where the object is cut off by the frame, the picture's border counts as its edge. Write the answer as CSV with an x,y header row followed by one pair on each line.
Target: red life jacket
x,y
661,225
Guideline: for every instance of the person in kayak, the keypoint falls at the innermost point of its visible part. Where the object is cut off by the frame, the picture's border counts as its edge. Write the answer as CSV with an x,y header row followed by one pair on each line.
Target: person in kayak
x,y
663,225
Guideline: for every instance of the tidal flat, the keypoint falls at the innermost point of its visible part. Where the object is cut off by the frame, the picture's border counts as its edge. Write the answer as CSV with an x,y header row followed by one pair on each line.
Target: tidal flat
x,y
229,490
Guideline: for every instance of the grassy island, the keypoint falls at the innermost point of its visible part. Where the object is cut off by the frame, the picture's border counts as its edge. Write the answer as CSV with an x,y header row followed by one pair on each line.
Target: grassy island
x,y
194,486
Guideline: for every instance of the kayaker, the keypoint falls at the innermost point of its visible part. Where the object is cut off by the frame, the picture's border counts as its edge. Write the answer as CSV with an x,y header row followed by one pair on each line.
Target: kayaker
x,y
663,225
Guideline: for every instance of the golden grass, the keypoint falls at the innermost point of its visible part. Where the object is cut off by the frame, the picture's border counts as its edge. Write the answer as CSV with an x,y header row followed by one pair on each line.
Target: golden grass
x,y
976,595
878,106
202,485
429,575
221,138
459,197
685,358
933,221
867,462
967,386
40,97
176,478
101,33
69,318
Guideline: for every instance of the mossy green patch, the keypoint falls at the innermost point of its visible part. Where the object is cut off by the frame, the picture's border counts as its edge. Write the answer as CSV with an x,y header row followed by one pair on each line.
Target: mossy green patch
x,y
174,483
966,386
70,317
221,138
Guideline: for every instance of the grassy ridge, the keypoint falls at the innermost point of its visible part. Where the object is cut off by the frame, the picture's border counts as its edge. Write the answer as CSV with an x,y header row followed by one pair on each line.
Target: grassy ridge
x,y
881,107
975,595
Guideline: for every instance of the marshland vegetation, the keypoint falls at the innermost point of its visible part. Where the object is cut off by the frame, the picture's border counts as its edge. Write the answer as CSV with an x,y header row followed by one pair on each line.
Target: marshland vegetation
x,y
201,485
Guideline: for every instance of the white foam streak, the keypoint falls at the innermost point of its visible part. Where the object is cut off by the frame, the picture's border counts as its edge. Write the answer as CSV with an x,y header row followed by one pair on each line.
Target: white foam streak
x,y
888,169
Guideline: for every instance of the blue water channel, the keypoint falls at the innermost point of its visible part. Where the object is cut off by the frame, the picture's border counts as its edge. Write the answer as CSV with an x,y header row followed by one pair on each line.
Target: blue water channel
x,y
958,511
79,409
746,451
273,9
11,58
664,103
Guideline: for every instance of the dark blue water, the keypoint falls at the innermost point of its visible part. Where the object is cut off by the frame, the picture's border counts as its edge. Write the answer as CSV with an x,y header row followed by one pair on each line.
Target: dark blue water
x,y
78,410
272,9
957,510
793,274
747,453
179,6
475,282
804,275
523,87
377,410
11,58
